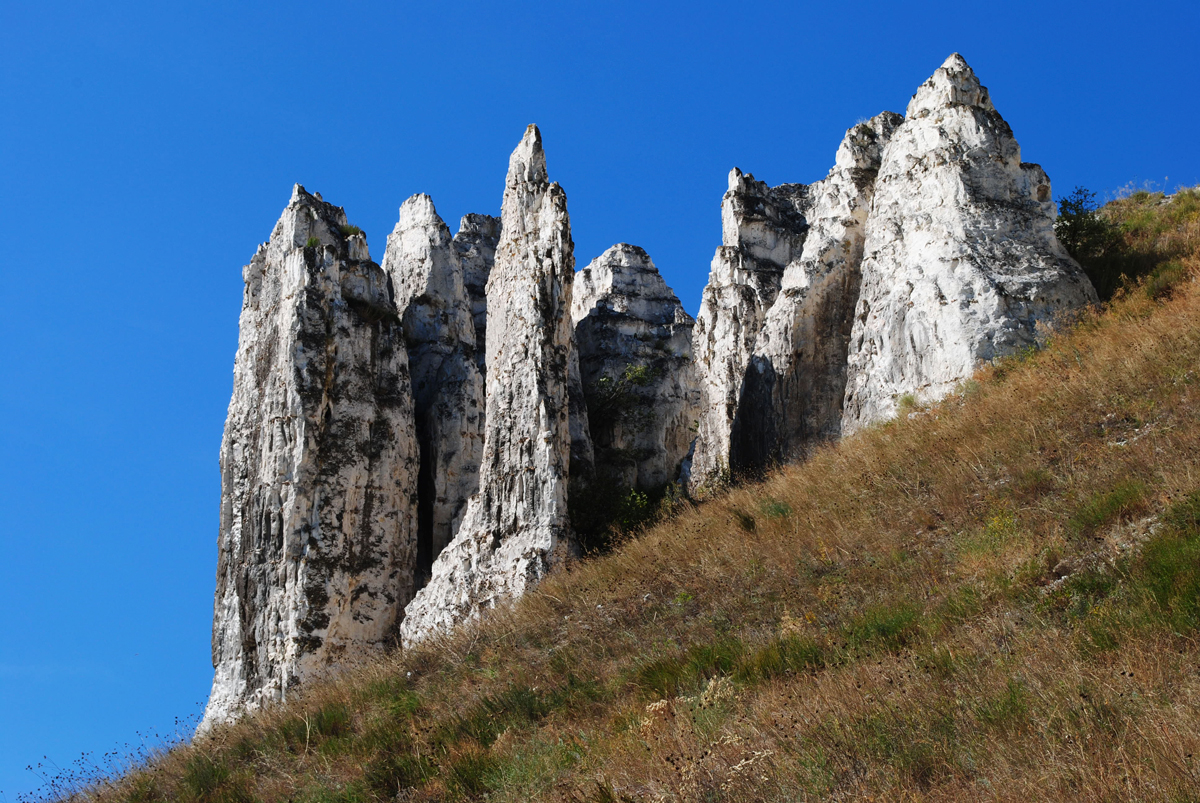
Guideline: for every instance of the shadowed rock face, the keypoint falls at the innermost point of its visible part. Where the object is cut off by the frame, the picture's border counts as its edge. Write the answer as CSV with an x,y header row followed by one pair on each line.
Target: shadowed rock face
x,y
763,231
475,245
792,394
516,527
426,271
635,341
961,263
318,466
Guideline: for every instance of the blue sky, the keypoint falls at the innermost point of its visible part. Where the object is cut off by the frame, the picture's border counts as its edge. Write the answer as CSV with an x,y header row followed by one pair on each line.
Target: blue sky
x,y
146,148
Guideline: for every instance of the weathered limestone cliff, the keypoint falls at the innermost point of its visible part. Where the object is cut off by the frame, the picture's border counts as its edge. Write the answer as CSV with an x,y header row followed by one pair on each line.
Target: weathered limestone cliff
x,y
436,313
475,245
763,230
516,527
961,263
792,393
635,342
318,465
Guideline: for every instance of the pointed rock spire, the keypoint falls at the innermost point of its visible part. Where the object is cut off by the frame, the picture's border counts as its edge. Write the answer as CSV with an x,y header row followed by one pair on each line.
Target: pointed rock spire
x,y
516,527
427,276
317,543
961,263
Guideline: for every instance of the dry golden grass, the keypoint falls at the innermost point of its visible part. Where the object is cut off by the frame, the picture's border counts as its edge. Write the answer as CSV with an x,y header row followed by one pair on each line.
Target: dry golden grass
x,y
885,622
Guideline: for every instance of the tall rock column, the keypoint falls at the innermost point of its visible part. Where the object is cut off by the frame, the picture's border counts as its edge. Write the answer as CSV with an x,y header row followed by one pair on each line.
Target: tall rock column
x,y
475,245
635,343
763,230
516,527
960,261
438,322
795,382
318,466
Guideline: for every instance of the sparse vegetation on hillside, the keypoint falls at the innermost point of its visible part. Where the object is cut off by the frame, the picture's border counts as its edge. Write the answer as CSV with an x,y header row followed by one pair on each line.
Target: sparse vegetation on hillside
x,y
994,598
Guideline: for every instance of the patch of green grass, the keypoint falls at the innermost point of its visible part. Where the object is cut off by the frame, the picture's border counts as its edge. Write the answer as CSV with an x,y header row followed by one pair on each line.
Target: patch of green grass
x,y
1005,709
516,706
469,773
774,509
206,780
890,626
349,231
1104,508
669,675
1163,280
785,655
312,242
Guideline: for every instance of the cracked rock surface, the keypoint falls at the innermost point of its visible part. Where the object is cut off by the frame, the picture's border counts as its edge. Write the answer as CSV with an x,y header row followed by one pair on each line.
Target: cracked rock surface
x,y
796,380
635,342
960,264
427,274
318,466
763,231
516,527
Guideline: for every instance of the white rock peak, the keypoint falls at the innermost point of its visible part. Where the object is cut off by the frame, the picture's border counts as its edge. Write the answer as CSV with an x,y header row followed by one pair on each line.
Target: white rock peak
x,y
318,466
961,263
516,527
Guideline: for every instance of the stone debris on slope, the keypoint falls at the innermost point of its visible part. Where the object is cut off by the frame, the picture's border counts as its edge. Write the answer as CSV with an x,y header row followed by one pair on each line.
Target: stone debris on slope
x,y
436,314
516,527
960,264
318,466
635,342
791,397
763,231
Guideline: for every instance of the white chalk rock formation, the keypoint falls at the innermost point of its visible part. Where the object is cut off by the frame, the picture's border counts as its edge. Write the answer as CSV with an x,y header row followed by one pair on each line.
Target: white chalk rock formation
x,y
439,331
960,262
763,231
635,342
795,382
318,466
475,245
516,527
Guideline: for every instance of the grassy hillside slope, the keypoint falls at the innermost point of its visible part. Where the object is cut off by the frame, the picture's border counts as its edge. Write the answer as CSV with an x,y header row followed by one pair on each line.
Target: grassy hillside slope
x,y
996,598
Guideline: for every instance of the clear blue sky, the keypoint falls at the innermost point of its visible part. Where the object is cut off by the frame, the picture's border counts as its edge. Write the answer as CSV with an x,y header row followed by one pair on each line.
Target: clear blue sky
x,y
146,148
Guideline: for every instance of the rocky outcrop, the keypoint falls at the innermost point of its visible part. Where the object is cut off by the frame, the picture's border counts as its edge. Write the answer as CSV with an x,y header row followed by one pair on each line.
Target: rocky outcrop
x,y
635,342
426,271
961,263
791,397
763,230
516,527
318,465
475,245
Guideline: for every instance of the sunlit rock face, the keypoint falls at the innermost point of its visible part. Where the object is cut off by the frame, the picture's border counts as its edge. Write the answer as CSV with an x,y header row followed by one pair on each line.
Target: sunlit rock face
x,y
791,396
635,342
438,320
317,541
763,231
960,264
516,527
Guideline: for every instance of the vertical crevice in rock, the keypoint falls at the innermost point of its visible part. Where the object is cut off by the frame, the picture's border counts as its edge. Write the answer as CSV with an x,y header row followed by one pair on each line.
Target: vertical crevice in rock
x,y
960,264
427,276
318,464
635,342
516,527
796,380
763,231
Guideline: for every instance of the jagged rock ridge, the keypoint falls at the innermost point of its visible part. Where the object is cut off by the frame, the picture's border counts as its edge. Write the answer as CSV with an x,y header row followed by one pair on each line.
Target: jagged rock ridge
x,y
635,342
516,527
318,465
